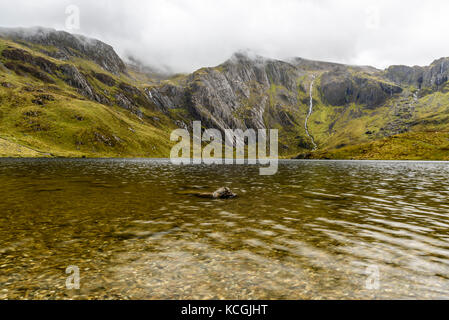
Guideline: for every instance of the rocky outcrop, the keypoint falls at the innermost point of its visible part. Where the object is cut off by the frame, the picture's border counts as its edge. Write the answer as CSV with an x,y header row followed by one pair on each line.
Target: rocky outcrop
x,y
23,70
68,45
222,193
432,77
343,87
74,78
104,78
167,97
233,95
23,56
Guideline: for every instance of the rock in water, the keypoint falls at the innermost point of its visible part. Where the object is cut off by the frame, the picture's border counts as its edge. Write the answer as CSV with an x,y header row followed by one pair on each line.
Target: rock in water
x,y
224,193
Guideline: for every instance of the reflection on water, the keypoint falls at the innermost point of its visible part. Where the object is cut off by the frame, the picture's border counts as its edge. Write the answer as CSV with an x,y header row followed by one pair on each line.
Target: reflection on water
x,y
309,232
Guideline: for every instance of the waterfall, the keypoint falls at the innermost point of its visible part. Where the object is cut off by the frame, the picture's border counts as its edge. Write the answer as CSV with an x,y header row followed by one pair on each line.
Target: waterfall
x,y
309,114
416,95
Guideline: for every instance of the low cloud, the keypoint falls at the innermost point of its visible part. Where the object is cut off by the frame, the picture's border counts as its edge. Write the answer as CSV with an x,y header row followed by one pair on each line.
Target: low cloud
x,y
184,35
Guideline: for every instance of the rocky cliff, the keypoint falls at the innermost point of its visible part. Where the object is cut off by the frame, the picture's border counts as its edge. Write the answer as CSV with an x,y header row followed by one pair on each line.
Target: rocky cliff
x,y
63,45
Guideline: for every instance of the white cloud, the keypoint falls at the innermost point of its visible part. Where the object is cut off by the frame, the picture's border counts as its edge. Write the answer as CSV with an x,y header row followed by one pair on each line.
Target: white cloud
x,y
189,34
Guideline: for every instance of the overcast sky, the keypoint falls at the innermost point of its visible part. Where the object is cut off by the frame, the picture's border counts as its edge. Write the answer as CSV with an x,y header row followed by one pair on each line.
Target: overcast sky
x,y
189,34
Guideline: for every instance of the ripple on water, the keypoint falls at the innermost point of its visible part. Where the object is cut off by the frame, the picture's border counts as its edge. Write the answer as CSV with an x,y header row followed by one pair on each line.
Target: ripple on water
x,y
309,232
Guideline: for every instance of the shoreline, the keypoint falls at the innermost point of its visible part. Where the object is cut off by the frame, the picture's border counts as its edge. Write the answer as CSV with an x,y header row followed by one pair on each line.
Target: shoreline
x,y
281,160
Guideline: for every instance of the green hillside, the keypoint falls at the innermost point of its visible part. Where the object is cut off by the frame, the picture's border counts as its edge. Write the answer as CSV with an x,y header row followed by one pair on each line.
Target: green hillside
x,y
52,118
63,95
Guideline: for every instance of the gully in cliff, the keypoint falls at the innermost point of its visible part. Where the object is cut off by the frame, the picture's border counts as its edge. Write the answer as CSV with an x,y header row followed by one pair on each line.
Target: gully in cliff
x,y
234,143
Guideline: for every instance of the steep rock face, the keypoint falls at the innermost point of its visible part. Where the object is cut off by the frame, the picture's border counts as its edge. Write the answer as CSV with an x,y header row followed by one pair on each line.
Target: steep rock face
x,y
405,75
74,78
104,78
233,95
437,73
68,45
342,87
168,97
131,98
431,77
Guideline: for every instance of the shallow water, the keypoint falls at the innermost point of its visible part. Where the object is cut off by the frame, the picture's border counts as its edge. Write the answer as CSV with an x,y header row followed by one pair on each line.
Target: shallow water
x,y
316,230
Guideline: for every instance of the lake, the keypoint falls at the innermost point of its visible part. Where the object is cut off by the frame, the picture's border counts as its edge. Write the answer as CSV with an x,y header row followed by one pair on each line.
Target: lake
x,y
315,230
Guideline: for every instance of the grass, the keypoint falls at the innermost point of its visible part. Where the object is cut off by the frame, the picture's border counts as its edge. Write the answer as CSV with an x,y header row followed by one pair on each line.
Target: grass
x,y
72,128
407,146
12,149
68,125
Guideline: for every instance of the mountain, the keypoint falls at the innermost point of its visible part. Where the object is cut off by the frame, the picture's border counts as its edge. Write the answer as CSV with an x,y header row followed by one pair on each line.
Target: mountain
x,y
68,95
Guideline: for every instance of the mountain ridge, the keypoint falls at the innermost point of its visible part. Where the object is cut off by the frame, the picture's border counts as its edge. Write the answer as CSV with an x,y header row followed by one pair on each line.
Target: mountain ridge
x,y
351,104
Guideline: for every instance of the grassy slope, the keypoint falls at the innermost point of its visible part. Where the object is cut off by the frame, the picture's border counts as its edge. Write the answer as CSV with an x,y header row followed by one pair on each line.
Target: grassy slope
x,y
12,149
407,146
72,126
341,132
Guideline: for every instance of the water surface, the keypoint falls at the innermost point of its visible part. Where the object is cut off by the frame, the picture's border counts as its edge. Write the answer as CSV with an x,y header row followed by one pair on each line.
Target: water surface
x,y
316,230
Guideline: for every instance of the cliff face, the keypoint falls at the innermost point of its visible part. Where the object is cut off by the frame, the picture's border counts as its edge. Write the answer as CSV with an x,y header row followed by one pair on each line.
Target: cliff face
x,y
232,95
255,92
67,45
342,87
348,104
430,77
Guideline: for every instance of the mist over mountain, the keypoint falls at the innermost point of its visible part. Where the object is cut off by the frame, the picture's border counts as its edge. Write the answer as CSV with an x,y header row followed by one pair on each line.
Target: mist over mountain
x,y
187,35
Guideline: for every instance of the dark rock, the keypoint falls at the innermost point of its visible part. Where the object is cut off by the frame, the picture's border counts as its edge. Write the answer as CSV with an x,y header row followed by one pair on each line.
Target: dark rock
x,y
28,89
104,78
129,89
24,56
134,96
341,87
38,102
223,193
18,55
46,97
104,138
123,101
32,114
73,77
22,70
7,85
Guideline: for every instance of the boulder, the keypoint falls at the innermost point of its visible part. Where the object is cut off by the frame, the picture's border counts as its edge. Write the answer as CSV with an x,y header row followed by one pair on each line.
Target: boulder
x,y
222,193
